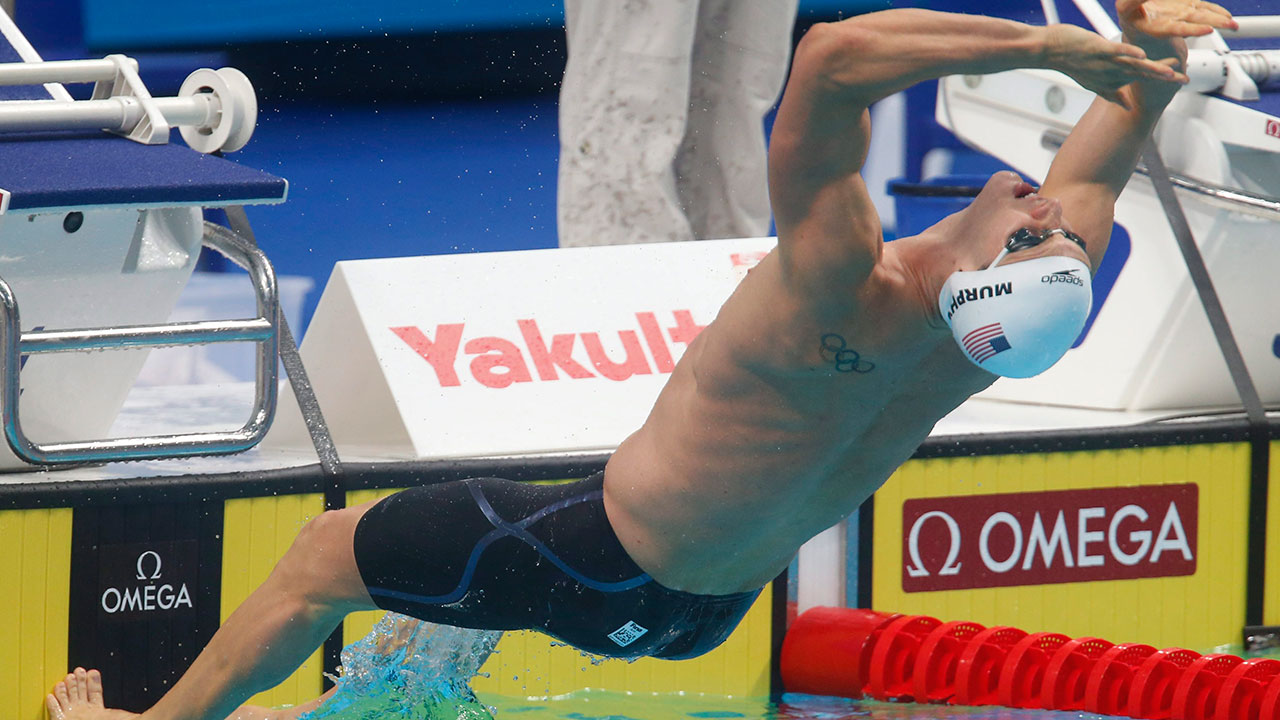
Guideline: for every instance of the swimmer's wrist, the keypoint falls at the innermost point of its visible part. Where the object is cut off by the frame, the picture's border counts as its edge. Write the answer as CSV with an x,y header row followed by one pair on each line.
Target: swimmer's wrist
x,y
1044,42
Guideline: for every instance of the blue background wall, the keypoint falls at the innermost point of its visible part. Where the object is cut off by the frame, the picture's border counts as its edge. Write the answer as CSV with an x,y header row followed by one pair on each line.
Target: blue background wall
x,y
145,23
404,128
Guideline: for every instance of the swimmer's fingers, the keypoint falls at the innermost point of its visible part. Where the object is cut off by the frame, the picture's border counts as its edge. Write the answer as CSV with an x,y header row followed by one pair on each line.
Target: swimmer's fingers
x,y
1179,18
1164,69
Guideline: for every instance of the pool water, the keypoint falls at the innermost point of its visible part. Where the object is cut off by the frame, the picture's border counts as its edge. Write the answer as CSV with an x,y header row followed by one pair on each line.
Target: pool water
x,y
607,705
410,669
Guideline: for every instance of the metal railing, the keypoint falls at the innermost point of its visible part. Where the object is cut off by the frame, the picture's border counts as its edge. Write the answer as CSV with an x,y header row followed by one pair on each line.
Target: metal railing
x,y
262,330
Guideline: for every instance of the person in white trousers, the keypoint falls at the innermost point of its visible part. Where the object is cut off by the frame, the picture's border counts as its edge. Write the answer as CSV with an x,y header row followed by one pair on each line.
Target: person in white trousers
x,y
661,118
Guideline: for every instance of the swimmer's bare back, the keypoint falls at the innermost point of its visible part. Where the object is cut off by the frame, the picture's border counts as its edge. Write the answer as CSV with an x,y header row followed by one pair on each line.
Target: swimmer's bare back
x,y
781,418
831,364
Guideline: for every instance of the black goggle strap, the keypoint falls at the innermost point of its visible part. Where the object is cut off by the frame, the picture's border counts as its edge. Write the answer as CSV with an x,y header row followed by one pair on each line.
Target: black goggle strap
x,y
1024,238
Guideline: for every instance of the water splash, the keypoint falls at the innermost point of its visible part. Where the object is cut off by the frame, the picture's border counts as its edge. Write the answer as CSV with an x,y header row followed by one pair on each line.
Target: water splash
x,y
406,668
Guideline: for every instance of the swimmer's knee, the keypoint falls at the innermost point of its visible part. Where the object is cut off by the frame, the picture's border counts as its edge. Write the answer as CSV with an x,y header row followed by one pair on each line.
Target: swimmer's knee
x,y
321,562
331,529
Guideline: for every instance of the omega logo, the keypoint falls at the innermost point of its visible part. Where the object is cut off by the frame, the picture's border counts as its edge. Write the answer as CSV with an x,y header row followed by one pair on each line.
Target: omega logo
x,y
952,543
142,574
950,567
148,597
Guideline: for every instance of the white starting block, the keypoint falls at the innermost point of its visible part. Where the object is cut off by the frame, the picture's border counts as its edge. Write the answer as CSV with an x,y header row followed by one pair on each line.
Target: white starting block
x,y
1150,346
100,235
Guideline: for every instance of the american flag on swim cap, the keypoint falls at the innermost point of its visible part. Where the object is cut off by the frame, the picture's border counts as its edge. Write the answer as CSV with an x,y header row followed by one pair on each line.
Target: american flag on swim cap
x,y
985,342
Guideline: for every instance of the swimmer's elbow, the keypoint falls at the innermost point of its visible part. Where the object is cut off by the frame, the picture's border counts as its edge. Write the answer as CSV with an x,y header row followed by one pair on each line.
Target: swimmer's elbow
x,y
831,52
845,57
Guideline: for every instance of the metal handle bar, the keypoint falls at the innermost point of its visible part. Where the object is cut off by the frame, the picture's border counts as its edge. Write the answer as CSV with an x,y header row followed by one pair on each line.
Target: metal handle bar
x,y
261,330
118,114
60,71
1255,26
1221,196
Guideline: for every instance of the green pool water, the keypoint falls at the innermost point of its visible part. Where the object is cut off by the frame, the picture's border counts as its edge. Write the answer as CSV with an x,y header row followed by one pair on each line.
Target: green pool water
x,y
608,705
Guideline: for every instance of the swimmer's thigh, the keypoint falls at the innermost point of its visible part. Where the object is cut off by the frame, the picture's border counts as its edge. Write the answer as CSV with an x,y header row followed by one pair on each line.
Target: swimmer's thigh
x,y
463,553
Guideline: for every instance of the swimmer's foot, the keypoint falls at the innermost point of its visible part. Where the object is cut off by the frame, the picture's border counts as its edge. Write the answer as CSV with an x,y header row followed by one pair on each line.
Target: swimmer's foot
x,y
79,697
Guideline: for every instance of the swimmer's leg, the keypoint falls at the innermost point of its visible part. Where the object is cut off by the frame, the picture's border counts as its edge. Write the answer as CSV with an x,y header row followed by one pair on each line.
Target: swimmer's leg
x,y
253,712
278,627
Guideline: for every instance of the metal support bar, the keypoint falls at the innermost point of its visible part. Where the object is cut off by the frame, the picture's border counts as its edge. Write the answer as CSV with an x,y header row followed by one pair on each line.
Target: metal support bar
x,y
117,114
1255,26
335,492
1255,412
132,336
312,416
1241,201
60,71
261,330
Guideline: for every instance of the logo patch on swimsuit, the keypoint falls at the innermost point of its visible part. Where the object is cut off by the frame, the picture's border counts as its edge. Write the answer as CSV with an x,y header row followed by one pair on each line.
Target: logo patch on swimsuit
x,y
628,633
1273,128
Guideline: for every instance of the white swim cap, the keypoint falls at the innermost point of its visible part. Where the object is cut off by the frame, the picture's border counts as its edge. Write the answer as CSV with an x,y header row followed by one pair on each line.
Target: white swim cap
x,y
1017,320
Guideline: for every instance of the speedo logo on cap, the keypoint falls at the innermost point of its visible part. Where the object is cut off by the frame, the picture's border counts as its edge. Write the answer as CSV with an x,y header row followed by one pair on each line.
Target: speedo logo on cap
x,y
978,293
1063,276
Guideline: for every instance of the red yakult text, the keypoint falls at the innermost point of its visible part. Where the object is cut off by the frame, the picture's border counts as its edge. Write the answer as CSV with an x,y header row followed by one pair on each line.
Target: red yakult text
x,y
528,354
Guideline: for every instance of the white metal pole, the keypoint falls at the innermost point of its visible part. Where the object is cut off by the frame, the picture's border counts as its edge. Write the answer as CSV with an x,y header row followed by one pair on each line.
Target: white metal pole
x,y
1050,12
63,71
1256,26
118,113
1099,19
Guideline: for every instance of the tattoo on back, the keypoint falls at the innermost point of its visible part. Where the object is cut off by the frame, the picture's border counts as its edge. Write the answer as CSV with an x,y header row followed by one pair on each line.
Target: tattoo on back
x,y
836,351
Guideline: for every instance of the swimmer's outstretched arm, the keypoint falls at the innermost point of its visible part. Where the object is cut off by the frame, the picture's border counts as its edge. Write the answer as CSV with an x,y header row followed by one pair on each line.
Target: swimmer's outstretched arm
x,y
1099,155
828,229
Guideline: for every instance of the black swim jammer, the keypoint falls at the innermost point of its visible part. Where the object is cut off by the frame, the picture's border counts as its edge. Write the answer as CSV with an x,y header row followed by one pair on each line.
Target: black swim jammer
x,y
500,555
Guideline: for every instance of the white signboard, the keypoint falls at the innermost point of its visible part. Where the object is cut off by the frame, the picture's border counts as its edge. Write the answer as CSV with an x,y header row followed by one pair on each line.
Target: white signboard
x,y
537,351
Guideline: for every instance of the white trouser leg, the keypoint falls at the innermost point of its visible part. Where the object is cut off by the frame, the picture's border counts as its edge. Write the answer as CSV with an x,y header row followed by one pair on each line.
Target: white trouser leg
x,y
623,107
740,60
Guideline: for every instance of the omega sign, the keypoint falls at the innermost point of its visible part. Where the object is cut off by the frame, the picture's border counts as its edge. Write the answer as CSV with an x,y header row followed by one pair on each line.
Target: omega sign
x,y
955,543
141,580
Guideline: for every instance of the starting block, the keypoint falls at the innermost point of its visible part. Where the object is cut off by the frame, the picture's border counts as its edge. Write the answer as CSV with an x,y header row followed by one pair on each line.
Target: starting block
x,y
1148,344
100,235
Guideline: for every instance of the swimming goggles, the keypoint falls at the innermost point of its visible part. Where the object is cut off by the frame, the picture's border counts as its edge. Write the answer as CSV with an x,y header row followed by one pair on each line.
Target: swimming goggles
x,y
1024,238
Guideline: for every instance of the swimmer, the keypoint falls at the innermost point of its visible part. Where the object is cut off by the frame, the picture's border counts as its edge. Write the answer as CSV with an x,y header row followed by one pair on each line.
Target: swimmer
x,y
822,373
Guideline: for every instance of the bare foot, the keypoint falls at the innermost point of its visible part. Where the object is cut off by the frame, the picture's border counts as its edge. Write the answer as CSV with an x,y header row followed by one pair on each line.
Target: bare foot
x,y
79,697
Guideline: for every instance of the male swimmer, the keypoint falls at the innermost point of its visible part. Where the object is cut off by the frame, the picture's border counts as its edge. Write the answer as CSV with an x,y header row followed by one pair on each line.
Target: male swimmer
x,y
822,374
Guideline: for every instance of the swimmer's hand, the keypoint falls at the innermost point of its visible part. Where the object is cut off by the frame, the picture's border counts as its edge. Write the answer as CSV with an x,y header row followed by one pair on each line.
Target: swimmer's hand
x,y
1172,18
1159,26
1102,66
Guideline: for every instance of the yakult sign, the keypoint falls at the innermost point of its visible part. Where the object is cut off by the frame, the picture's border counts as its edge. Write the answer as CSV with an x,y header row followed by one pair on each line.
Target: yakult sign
x,y
511,353
525,355
955,543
